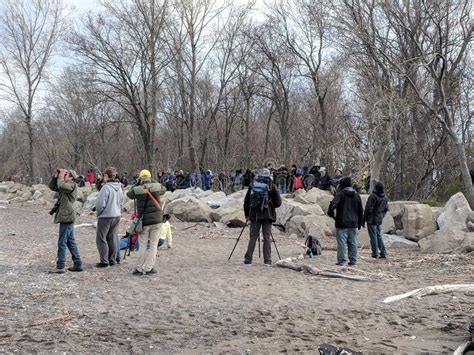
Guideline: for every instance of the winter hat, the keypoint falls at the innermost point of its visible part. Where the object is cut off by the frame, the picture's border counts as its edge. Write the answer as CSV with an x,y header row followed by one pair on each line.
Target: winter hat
x,y
322,169
345,182
144,174
338,169
298,171
379,186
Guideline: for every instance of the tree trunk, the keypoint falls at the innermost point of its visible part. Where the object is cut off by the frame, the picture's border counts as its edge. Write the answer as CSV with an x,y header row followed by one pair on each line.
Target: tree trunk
x,y
466,176
378,162
248,161
31,153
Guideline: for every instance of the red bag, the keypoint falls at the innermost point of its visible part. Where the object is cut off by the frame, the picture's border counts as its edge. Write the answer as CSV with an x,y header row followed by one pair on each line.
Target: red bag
x,y
297,182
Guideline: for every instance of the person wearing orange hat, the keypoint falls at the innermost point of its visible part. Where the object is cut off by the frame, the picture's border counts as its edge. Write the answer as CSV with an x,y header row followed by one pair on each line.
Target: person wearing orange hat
x,y
147,194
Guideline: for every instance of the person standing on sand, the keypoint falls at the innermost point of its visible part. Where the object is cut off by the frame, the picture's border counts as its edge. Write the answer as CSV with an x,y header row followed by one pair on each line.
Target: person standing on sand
x,y
349,217
147,193
260,202
63,182
109,211
374,213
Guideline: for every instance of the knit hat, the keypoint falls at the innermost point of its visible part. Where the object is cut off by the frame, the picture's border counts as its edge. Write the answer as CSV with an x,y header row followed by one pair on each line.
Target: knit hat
x,y
345,182
379,186
144,174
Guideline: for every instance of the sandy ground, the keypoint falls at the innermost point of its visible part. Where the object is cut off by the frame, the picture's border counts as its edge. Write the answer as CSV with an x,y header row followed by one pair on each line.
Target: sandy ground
x,y
201,303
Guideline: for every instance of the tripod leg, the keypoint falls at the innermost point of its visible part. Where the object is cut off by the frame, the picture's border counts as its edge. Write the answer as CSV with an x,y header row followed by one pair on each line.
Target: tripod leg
x,y
258,241
237,242
273,239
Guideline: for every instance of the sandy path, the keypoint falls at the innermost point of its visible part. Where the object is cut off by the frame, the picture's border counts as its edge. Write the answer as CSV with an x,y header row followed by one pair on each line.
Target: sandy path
x,y
199,302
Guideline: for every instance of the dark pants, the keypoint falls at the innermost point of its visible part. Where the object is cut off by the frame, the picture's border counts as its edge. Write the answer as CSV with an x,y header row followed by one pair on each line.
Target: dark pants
x,y
376,241
107,238
66,241
266,227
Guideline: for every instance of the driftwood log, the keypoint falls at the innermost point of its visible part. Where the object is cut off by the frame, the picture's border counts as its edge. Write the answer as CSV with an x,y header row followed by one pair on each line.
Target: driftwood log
x,y
290,263
431,290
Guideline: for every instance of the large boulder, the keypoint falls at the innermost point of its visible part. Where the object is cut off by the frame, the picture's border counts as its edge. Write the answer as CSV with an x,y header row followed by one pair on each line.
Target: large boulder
x,y
213,196
320,197
418,221
453,236
390,241
303,226
396,209
230,214
300,209
284,212
388,224
455,212
189,209
448,240
91,201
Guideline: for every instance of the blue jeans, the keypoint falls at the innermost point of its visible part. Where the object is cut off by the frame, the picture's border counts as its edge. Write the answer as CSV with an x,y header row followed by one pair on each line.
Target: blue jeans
x,y
66,241
282,188
376,241
346,238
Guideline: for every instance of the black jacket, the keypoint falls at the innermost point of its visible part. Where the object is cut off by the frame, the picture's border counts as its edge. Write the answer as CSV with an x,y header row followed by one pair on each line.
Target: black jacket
x,y
376,208
268,214
324,182
348,207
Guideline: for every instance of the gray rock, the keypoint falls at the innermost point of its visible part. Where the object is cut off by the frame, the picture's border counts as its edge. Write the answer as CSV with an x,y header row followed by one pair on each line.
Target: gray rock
x,y
396,209
418,221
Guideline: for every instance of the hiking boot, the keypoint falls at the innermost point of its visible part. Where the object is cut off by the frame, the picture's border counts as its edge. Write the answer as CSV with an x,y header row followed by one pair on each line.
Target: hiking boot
x,y
352,263
383,257
75,268
152,271
118,260
246,262
340,264
112,262
267,263
375,256
138,272
101,265
58,271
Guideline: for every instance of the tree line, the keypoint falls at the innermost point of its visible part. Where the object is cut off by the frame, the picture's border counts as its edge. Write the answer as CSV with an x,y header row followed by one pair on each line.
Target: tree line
x,y
381,87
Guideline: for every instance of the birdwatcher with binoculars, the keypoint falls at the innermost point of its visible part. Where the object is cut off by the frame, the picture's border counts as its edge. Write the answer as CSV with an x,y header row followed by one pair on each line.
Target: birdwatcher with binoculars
x,y
63,182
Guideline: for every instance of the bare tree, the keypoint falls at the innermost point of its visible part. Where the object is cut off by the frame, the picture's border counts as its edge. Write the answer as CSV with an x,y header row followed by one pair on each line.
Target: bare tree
x,y
127,51
29,32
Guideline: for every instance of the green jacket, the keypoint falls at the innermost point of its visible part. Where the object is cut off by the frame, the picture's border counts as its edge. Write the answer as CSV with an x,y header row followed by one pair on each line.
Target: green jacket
x,y
67,196
152,215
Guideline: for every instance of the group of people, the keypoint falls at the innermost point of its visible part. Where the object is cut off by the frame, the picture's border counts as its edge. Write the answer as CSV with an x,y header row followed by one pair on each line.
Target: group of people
x,y
261,200
155,229
346,209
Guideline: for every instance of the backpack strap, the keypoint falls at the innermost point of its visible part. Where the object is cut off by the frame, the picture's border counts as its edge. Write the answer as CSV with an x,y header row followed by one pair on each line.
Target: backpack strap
x,y
155,201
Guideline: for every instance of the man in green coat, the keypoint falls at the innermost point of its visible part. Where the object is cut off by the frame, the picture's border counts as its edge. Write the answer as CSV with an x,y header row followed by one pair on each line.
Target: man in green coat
x,y
147,193
64,184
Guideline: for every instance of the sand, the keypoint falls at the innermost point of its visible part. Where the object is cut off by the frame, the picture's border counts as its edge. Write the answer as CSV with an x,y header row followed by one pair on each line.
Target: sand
x,y
201,303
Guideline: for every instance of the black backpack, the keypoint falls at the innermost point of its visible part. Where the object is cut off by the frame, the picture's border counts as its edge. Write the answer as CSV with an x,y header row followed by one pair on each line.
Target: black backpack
x,y
259,197
313,245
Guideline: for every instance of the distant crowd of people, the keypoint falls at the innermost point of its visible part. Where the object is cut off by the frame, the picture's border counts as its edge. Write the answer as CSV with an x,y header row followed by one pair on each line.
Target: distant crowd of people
x,y
286,179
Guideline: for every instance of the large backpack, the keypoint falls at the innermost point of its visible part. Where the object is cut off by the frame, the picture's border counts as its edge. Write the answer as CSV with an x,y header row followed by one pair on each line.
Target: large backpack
x,y
259,197
313,245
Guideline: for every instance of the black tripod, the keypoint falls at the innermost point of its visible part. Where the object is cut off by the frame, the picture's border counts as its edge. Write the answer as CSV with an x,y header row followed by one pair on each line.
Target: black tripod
x,y
258,240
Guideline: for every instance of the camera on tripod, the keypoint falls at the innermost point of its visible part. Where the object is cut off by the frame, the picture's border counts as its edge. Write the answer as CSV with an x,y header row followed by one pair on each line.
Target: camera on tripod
x,y
55,208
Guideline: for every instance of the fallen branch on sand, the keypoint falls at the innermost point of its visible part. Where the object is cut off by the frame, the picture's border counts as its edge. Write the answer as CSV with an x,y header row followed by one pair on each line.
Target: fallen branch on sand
x,y
431,290
60,319
194,225
290,263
